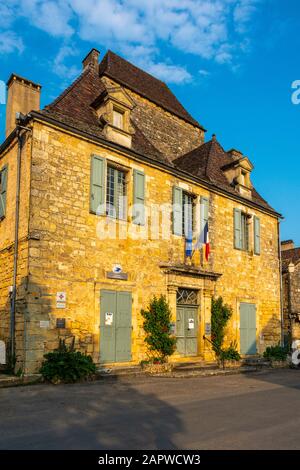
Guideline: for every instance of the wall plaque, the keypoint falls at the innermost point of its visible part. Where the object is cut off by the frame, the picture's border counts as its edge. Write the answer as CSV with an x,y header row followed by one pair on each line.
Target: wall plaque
x,y
207,328
121,276
60,323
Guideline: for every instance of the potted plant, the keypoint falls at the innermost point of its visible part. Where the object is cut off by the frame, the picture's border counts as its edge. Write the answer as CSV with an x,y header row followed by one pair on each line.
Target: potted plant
x,y
158,337
229,358
277,355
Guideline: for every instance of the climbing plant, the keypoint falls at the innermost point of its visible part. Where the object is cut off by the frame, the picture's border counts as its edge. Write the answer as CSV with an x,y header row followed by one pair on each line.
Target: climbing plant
x,y
220,314
157,322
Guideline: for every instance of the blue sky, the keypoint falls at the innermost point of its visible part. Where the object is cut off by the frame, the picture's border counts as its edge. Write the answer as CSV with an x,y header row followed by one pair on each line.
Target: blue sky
x,y
231,63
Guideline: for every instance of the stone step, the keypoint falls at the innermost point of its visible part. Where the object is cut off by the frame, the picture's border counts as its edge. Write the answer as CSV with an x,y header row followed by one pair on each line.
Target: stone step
x,y
118,371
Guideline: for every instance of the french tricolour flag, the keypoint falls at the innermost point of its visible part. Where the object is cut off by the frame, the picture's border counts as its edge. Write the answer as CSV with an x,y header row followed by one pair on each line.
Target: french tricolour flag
x,y
206,241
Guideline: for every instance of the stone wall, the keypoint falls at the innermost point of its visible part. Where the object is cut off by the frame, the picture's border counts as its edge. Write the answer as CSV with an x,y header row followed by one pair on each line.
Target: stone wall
x,y
7,237
168,133
67,254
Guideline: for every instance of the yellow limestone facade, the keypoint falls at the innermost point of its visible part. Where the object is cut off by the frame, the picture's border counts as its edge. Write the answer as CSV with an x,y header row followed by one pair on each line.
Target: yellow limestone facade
x,y
61,251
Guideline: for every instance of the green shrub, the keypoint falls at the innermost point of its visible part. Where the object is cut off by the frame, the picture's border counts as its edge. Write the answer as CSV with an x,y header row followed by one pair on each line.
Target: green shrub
x,y
220,314
230,354
276,353
157,320
67,365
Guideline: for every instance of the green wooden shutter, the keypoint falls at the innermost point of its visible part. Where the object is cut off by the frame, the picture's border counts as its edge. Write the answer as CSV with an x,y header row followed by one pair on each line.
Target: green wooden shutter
x,y
238,237
97,189
3,190
108,307
256,235
177,210
204,205
138,212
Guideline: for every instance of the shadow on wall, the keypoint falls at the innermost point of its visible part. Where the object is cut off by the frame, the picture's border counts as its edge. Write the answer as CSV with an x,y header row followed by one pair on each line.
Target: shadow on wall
x,y
109,415
270,334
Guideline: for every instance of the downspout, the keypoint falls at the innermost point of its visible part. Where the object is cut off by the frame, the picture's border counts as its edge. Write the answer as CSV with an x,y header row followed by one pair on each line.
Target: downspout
x,y
16,245
281,287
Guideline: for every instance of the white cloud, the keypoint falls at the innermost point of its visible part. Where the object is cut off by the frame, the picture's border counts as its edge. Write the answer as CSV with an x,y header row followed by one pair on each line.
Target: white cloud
x,y
59,66
243,12
210,29
10,42
169,72
204,73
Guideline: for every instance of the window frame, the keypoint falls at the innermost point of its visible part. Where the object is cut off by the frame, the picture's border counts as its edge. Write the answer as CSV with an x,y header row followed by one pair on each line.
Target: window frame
x,y
192,198
118,214
117,111
243,229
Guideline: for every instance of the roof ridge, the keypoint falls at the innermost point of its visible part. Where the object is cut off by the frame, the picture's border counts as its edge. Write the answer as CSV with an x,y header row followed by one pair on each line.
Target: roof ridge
x,y
210,142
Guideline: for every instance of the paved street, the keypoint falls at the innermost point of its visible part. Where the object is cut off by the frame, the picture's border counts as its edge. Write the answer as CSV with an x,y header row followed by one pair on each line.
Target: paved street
x,y
255,411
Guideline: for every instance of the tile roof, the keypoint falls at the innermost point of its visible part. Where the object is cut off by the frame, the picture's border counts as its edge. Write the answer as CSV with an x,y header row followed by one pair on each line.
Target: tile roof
x,y
136,79
207,161
73,108
290,256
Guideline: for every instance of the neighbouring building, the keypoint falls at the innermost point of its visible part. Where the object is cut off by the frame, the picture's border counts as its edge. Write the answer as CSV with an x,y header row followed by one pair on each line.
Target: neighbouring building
x,y
291,290
103,187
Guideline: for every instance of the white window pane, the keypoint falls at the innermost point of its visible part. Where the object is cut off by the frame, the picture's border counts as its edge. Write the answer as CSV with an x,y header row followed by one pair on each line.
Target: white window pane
x,y
118,119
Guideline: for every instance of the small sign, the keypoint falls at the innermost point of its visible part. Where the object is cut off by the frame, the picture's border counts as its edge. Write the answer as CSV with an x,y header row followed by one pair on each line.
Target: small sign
x,y
2,353
191,323
60,323
44,324
112,275
172,328
117,268
61,296
207,328
60,305
109,318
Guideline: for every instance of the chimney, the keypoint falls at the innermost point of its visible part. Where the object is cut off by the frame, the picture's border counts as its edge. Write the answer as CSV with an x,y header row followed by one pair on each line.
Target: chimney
x,y
287,245
23,96
91,60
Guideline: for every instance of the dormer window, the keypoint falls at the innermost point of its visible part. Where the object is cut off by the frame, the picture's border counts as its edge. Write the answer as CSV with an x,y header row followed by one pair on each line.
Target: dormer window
x,y
118,119
238,173
113,108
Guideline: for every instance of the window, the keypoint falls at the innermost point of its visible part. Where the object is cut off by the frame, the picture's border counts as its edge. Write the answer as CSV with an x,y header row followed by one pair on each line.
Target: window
x,y
187,297
183,208
3,188
243,178
241,232
115,192
187,214
118,119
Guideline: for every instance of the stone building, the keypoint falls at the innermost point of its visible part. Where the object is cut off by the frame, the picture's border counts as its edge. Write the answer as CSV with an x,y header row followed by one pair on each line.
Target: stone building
x,y
291,290
99,192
